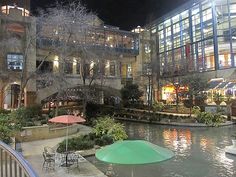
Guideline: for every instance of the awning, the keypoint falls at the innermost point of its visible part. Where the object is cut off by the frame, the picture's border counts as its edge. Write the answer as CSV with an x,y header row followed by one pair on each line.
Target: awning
x,y
230,85
222,85
213,84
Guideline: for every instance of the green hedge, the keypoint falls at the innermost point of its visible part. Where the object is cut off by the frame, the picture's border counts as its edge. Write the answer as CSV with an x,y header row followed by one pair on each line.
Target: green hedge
x,y
27,115
4,111
77,143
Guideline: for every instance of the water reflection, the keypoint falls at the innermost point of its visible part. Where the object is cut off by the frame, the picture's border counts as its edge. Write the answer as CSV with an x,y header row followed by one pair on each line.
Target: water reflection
x,y
178,140
199,152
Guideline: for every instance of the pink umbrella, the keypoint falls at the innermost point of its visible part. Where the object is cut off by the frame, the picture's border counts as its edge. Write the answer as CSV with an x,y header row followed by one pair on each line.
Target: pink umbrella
x,y
67,119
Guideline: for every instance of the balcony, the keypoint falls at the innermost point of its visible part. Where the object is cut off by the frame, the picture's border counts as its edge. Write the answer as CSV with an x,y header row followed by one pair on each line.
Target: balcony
x,y
46,43
98,38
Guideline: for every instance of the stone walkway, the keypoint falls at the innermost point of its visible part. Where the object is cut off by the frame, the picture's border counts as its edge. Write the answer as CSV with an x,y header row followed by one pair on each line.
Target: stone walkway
x,y
32,151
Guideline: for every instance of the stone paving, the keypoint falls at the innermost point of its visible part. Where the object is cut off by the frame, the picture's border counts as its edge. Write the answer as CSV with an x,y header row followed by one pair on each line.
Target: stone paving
x,y
32,151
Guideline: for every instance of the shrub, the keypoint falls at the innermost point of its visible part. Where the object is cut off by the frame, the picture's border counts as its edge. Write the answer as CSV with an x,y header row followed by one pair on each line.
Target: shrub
x,y
85,144
131,95
78,143
92,136
107,126
107,139
22,116
209,118
99,142
105,132
34,111
158,106
27,115
196,110
8,127
4,111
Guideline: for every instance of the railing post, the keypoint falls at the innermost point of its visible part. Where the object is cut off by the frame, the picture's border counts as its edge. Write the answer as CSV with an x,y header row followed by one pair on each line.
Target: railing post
x,y
5,163
13,164
10,166
15,168
1,162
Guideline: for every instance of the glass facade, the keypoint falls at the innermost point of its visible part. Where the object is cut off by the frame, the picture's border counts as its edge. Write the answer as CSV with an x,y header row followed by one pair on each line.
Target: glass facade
x,y
201,37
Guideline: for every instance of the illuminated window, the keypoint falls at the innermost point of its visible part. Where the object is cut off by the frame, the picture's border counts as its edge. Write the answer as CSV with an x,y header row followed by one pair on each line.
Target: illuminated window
x,y
167,22
176,28
112,69
184,14
161,34
168,31
129,71
160,26
207,15
15,62
154,30
233,8
195,10
175,18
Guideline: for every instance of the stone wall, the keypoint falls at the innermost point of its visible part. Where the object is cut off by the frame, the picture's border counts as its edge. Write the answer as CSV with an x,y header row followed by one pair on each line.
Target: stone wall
x,y
44,132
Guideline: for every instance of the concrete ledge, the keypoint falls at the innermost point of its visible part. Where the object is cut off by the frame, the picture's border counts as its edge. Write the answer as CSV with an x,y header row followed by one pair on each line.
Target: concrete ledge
x,y
227,123
45,132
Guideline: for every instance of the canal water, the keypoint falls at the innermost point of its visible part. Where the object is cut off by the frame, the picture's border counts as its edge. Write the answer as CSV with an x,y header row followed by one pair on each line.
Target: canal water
x,y
199,152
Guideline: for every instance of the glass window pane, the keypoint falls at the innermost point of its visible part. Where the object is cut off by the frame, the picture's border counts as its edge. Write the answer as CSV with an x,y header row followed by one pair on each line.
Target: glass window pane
x,y
175,19
184,14
207,15
160,26
224,52
167,23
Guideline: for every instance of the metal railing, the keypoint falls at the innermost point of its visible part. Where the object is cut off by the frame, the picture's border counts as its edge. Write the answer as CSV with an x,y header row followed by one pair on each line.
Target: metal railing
x,y
13,164
44,42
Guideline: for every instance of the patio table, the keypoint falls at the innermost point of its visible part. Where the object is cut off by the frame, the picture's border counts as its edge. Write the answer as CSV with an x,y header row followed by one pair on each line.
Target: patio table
x,y
66,163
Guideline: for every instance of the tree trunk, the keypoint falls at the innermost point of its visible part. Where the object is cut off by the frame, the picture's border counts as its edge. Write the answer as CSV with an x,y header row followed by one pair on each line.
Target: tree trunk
x,y
84,107
190,112
177,100
56,109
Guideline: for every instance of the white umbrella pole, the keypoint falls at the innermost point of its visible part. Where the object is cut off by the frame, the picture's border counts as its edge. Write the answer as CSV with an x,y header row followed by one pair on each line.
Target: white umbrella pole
x,y
66,137
132,172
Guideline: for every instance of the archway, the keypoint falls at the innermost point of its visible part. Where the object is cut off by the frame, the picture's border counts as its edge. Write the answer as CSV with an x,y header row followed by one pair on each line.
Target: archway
x,y
11,96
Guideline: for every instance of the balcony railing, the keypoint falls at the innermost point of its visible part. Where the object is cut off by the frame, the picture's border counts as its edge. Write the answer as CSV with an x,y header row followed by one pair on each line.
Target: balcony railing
x,y
13,164
43,42
125,81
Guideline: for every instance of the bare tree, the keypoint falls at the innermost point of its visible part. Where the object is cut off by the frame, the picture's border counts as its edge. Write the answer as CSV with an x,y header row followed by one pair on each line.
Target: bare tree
x,y
66,29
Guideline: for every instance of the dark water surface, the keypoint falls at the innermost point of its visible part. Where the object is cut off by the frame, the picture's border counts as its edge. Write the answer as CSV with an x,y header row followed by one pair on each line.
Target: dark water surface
x,y
199,152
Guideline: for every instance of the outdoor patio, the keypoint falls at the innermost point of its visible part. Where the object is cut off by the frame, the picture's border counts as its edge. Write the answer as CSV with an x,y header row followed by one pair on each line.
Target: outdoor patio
x,y
33,152
85,169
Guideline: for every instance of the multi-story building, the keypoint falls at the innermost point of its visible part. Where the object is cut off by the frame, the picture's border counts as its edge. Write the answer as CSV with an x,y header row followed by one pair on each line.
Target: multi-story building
x,y
119,51
197,37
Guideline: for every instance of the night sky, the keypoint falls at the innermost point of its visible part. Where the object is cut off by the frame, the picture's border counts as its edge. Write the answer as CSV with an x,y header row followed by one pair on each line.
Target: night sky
x,y
125,14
